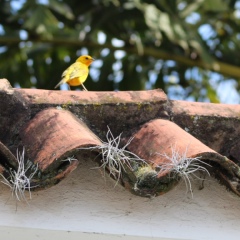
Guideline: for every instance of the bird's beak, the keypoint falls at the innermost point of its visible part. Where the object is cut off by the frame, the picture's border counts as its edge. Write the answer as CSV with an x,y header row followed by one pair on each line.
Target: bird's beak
x,y
93,59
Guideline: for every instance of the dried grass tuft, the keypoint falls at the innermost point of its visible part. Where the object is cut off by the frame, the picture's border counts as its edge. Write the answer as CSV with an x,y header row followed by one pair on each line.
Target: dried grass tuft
x,y
184,167
17,181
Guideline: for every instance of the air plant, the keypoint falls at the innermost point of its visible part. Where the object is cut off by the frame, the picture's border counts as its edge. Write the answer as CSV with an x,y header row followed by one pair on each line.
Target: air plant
x,y
17,181
70,159
117,159
181,166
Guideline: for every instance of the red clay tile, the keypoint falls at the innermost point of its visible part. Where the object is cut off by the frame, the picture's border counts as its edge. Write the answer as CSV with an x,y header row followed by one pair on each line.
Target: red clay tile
x,y
54,135
216,125
159,137
206,109
36,96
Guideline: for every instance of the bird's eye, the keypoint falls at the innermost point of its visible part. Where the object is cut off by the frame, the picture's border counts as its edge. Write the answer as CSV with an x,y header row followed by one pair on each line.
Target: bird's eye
x,y
86,58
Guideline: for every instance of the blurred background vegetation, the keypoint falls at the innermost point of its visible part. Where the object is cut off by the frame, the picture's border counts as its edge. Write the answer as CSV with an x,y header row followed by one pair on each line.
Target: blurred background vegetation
x,y
188,48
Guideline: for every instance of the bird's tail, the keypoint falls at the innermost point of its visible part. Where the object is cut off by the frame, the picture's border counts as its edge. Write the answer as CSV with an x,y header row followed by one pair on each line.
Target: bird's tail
x,y
61,82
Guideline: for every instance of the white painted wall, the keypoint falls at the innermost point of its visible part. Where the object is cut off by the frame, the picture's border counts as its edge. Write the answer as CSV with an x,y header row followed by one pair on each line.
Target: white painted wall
x,y
86,203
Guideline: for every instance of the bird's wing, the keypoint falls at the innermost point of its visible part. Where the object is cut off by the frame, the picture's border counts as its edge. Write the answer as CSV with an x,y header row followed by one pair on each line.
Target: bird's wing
x,y
75,70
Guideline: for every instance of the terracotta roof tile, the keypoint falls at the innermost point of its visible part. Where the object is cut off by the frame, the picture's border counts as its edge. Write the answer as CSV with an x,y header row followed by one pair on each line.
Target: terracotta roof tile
x,y
161,136
159,141
54,126
216,125
54,134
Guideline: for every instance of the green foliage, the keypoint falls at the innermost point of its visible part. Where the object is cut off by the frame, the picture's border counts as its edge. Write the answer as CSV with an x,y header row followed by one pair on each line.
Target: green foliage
x,y
133,41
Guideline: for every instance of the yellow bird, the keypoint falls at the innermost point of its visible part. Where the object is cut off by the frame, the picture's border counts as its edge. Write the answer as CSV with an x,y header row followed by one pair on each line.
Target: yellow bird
x,y
76,74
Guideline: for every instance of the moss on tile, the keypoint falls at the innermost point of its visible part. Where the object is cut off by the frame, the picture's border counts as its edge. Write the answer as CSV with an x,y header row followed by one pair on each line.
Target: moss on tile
x,y
144,182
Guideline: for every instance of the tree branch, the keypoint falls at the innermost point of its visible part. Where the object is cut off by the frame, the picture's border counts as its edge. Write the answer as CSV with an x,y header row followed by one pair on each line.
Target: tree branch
x,y
216,66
